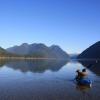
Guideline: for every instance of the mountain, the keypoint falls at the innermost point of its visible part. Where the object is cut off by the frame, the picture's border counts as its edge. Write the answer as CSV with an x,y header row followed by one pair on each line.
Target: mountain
x,y
58,52
73,56
38,50
93,52
3,52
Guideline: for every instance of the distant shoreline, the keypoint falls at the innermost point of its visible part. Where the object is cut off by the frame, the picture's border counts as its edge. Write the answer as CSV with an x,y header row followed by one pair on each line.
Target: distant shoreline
x,y
30,58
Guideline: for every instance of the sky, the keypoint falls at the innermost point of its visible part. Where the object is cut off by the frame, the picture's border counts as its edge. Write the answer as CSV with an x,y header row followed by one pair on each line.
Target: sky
x,y
74,25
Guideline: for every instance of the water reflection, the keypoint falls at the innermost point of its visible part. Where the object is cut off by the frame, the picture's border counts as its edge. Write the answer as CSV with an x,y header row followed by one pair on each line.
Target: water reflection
x,y
83,88
3,62
40,66
93,65
36,66
41,84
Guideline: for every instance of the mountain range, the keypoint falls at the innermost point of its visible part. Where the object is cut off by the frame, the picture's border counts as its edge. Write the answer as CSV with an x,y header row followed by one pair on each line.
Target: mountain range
x,y
38,50
54,51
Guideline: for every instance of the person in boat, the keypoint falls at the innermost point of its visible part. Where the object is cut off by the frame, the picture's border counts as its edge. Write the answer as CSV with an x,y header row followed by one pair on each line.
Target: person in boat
x,y
78,75
81,75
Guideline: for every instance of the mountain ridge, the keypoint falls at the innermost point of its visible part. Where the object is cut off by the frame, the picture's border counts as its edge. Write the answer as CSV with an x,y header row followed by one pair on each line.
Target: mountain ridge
x,y
38,50
92,52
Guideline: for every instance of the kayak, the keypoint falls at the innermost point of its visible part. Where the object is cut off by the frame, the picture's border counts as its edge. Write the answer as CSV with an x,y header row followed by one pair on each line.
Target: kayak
x,y
86,82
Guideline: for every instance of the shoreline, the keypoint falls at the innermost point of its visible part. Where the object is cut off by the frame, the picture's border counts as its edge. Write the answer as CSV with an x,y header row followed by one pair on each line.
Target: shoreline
x,y
29,58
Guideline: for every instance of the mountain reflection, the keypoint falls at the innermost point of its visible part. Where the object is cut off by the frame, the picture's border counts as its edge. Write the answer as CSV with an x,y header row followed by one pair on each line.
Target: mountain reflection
x,y
3,62
36,66
92,65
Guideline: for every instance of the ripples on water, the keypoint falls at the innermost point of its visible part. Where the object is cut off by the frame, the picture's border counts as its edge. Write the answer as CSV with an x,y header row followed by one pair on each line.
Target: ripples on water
x,y
46,80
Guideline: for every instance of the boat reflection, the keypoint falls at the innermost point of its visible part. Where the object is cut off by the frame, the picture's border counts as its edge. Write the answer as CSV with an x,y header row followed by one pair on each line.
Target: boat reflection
x,y
83,88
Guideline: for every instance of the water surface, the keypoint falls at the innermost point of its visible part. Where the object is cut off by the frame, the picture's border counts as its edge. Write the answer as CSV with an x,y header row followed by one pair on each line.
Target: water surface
x,y
45,80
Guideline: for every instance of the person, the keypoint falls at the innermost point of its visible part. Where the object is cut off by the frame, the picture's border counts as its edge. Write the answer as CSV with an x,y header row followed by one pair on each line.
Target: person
x,y
81,75
78,75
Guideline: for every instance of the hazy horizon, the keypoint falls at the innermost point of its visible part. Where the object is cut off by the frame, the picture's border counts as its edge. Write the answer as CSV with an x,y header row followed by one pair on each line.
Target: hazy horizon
x,y
71,24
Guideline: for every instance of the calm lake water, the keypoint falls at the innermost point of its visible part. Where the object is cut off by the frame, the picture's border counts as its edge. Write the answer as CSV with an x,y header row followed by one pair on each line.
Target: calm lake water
x,y
45,80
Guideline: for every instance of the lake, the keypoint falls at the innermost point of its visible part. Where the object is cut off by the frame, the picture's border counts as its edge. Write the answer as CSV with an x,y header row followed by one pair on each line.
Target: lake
x,y
45,80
